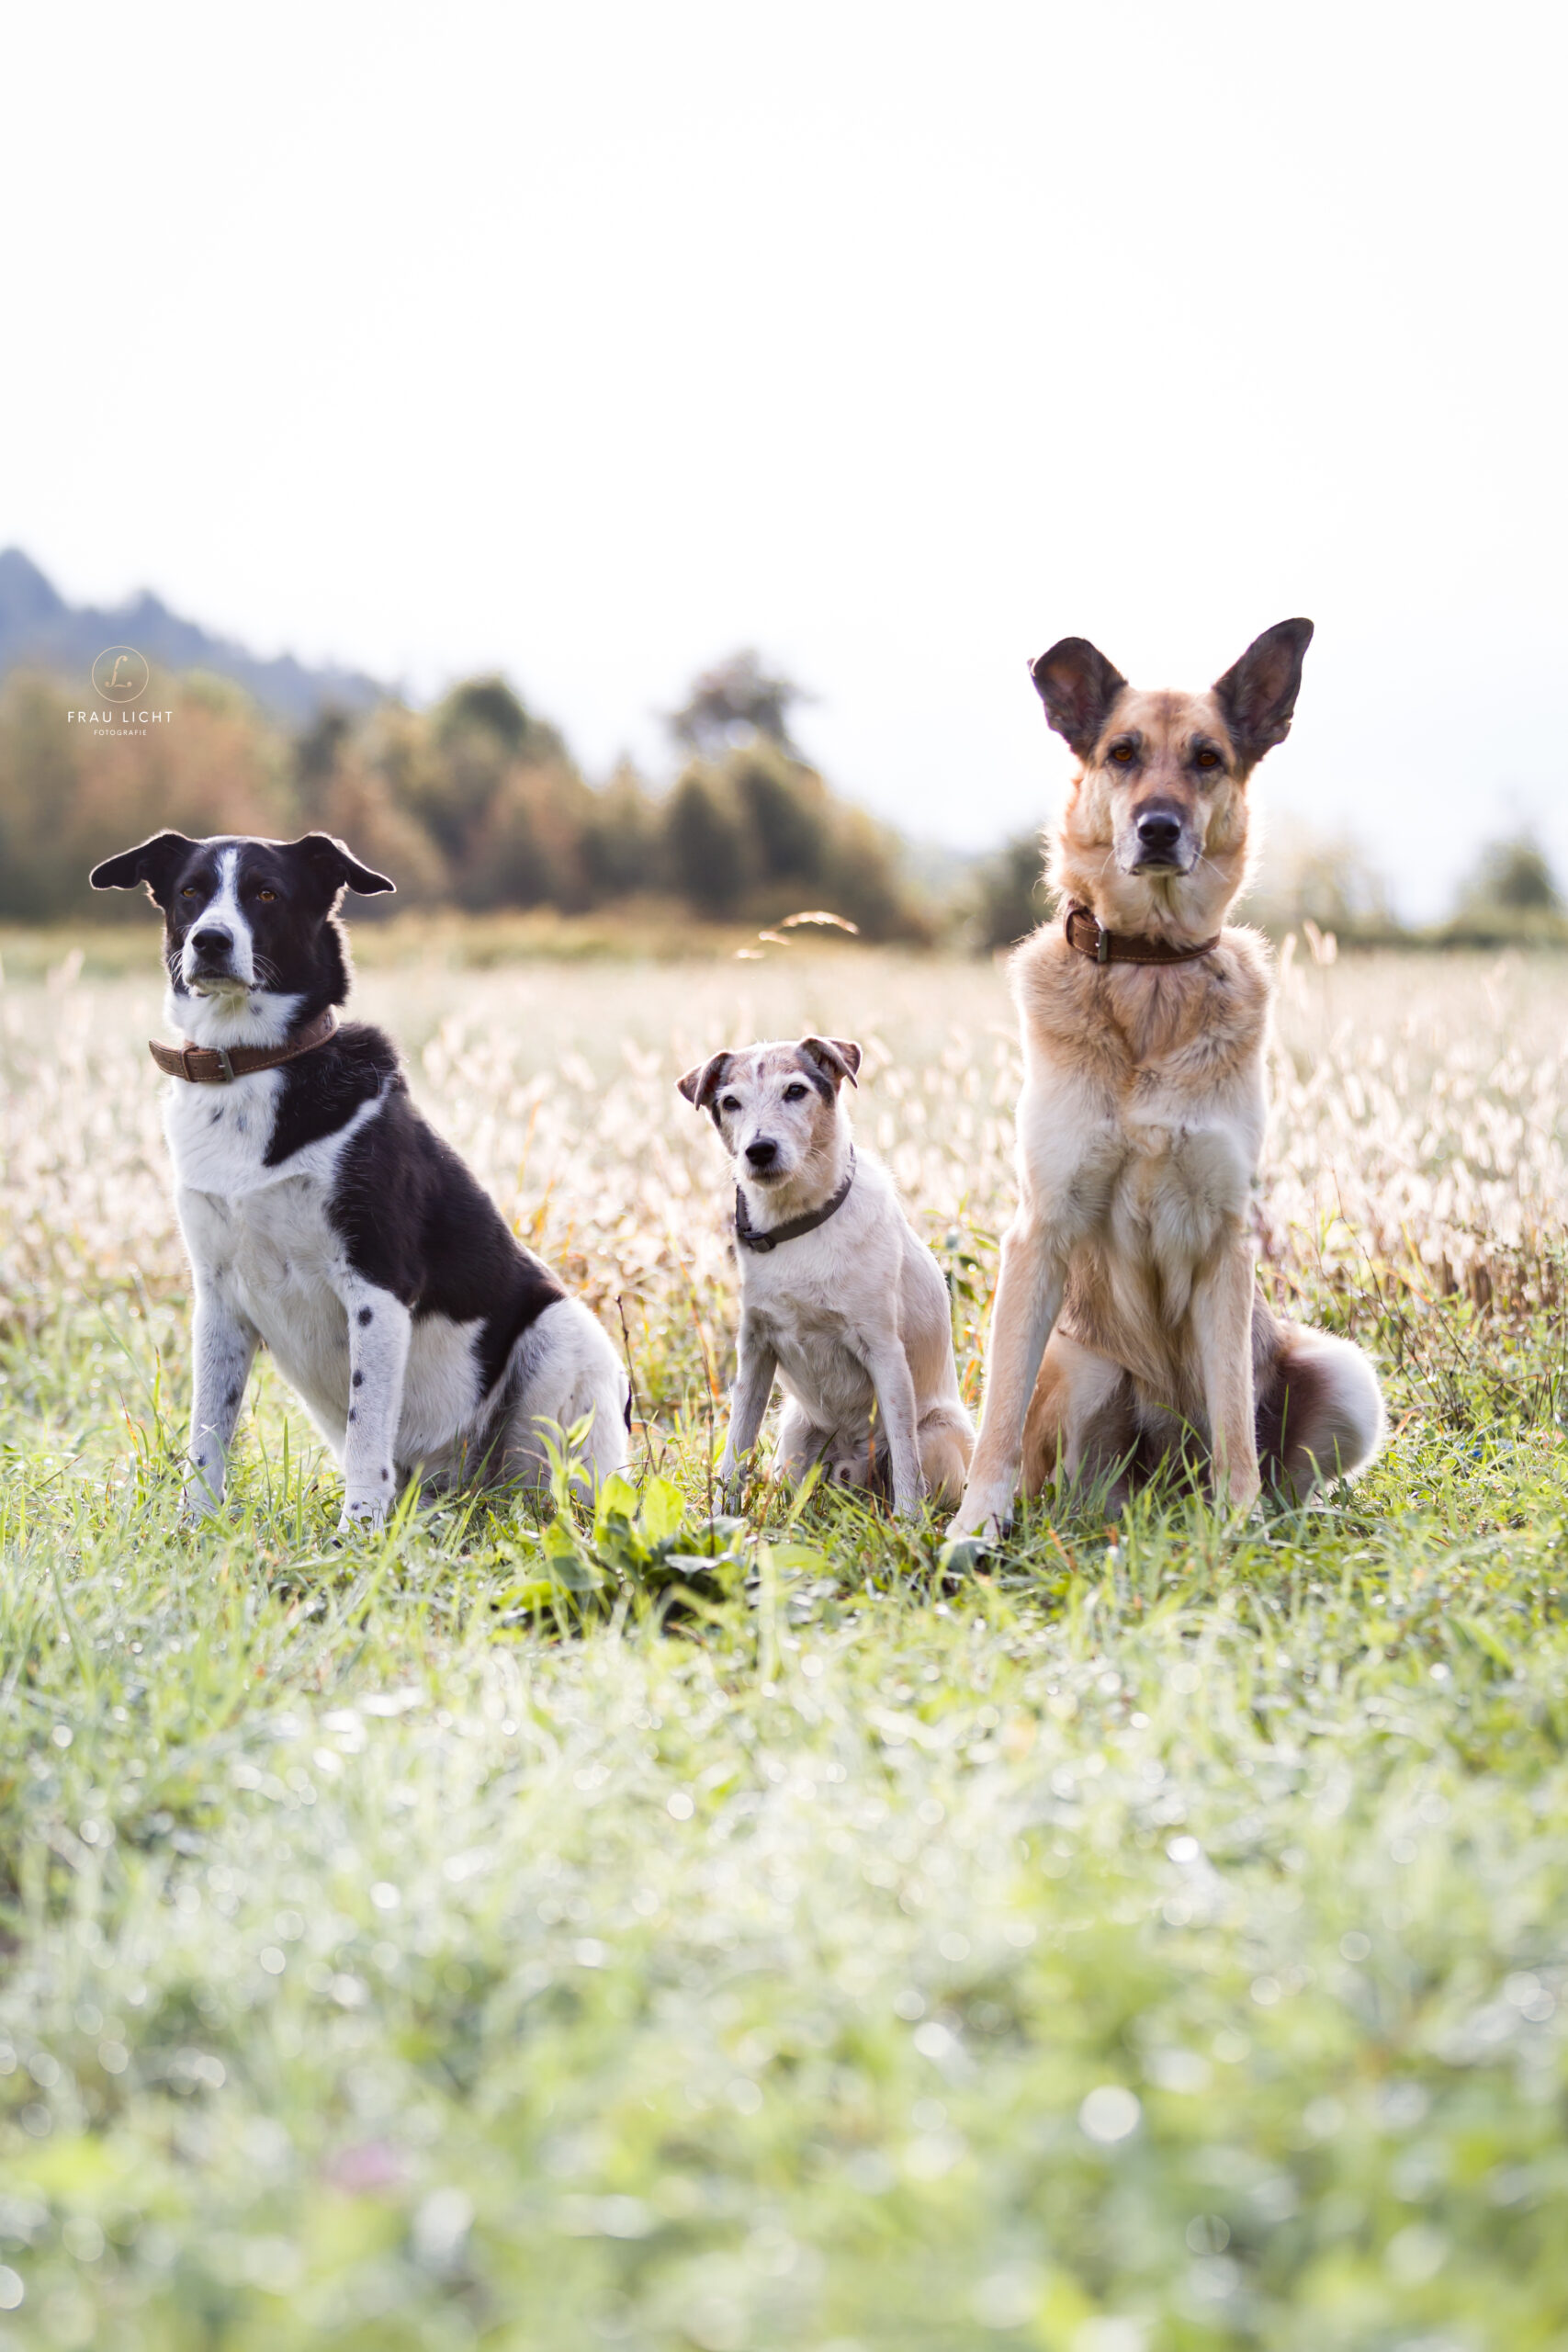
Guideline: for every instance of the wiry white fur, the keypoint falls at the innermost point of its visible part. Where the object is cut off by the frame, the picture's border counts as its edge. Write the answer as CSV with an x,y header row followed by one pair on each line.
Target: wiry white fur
x,y
852,1315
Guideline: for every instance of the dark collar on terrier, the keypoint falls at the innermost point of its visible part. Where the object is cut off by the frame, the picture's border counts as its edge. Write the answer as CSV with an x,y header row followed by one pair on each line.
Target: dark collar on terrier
x,y
749,1237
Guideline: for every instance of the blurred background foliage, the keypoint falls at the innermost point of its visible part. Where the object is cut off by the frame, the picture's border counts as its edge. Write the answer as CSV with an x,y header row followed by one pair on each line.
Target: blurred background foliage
x,y
477,807
476,803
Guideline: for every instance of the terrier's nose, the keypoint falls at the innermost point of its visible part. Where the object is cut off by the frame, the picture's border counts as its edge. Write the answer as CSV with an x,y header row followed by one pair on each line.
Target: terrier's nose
x,y
1157,832
761,1155
210,941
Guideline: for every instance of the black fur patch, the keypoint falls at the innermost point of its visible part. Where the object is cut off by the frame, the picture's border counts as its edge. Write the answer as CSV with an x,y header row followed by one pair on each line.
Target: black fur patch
x,y
416,1223
412,1218
322,1091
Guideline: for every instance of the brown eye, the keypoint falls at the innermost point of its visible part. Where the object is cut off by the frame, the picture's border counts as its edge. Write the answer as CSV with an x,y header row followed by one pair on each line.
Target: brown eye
x,y
190,890
729,1103
795,1093
267,896
1207,759
1122,754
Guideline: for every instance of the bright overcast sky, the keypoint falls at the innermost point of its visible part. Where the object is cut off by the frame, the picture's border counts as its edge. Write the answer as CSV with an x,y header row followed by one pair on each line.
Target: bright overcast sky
x,y
592,341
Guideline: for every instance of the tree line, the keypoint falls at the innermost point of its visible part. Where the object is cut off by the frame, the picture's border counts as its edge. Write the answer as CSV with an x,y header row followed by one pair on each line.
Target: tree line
x,y
476,803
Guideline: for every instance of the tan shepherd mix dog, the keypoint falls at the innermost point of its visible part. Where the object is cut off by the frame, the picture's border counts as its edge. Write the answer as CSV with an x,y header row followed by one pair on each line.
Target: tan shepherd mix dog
x,y
1127,1321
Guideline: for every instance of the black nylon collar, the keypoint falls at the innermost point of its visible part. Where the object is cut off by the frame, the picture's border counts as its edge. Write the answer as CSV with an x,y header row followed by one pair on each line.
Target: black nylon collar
x,y
749,1237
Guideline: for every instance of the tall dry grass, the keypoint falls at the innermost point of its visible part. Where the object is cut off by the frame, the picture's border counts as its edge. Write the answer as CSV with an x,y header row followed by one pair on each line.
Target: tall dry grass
x,y
1416,1135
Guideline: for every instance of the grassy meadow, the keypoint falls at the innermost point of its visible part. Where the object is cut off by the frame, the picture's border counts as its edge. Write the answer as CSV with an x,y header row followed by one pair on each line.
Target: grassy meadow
x,y
665,1932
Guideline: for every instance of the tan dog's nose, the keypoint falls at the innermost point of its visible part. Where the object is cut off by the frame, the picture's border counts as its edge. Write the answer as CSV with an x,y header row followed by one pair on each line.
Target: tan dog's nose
x,y
1158,832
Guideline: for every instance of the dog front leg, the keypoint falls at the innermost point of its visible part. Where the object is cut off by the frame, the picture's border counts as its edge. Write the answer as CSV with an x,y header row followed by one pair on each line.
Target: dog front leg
x,y
1030,1288
225,1346
749,1401
379,1330
1222,1325
889,1368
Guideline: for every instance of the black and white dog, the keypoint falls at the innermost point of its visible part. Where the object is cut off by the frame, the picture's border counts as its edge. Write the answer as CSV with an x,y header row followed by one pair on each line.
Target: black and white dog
x,y
323,1216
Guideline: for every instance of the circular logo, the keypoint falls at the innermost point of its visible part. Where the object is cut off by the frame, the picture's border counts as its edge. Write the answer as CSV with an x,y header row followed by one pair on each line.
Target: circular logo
x,y
119,674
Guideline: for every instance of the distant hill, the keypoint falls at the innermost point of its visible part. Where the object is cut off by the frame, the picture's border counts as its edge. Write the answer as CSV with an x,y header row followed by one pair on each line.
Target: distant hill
x,y
39,629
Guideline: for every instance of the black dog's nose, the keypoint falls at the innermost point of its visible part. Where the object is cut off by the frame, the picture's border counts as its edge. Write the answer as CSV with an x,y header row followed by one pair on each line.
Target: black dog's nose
x,y
761,1155
210,941
1158,832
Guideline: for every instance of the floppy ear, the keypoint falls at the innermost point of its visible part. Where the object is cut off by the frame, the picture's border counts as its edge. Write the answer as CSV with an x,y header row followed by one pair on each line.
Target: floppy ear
x,y
700,1085
1077,686
153,862
334,864
836,1058
1257,695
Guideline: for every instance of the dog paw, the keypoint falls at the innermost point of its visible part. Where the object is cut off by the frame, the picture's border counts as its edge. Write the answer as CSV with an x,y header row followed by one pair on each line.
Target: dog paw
x,y
198,1503
361,1518
977,1531
984,1517
1240,1497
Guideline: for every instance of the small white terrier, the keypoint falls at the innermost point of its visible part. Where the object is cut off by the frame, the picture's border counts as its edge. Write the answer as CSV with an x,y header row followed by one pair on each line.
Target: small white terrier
x,y
840,1298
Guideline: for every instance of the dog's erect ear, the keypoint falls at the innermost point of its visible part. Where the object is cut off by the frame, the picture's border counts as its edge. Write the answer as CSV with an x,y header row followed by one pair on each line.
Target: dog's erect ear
x,y
334,865
154,862
700,1085
1257,695
1077,686
836,1058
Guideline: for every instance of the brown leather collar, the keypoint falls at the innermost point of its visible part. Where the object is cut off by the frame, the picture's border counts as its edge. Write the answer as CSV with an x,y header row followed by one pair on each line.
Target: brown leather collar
x,y
220,1065
1084,934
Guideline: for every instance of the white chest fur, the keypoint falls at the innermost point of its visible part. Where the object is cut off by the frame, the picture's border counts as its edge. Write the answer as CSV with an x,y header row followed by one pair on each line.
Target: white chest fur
x,y
829,1304
264,1247
218,1136
260,1238
1157,1165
